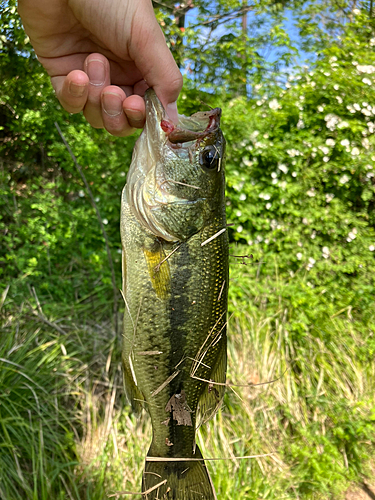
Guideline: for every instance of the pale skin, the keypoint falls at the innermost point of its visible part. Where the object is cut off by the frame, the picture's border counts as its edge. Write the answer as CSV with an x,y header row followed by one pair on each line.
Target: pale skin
x,y
101,56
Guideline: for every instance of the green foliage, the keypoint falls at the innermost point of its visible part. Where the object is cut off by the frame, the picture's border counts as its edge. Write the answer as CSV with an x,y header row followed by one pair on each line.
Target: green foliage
x,y
301,173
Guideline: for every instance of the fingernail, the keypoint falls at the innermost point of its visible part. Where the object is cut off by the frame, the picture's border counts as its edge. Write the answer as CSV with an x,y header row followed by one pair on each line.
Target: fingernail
x,y
172,112
112,104
76,90
135,116
96,72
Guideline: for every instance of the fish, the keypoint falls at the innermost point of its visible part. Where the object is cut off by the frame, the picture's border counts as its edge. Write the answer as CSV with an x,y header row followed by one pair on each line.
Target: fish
x,y
175,289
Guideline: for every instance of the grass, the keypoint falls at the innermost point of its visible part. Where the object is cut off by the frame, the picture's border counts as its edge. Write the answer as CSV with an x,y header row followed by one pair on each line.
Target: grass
x,y
67,433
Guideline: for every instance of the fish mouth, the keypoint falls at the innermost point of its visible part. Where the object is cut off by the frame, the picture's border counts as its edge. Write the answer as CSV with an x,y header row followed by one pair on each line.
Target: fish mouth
x,y
193,128
147,188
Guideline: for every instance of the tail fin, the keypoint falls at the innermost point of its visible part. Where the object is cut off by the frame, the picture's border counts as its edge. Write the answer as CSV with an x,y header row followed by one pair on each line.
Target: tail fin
x,y
185,480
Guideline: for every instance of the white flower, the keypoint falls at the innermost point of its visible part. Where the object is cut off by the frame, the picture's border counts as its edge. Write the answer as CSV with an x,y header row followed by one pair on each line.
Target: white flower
x,y
294,174
324,149
283,168
355,152
243,197
268,206
325,252
311,192
357,106
336,87
372,42
293,152
238,213
320,109
265,196
326,159
299,256
329,197
366,112
105,221
330,142
343,124
371,248
247,162
356,12
274,175
275,181
344,179
287,85
367,81
239,229
331,121
345,142
366,69
365,143
352,235
312,84
350,108
274,104
81,193
313,234
311,261
332,59
300,124
259,103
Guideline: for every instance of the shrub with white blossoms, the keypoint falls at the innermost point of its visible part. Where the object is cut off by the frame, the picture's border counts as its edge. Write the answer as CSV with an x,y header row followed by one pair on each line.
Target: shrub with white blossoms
x,y
317,179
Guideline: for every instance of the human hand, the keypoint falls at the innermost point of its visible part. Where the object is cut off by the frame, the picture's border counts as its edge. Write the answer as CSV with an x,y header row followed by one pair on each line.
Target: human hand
x,y
101,56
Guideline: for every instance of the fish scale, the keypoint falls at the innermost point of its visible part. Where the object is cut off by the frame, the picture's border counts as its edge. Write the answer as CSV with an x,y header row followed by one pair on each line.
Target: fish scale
x,y
175,288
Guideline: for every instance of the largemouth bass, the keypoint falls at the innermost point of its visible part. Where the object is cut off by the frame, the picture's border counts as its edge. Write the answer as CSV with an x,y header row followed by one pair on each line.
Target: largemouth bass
x,y
175,282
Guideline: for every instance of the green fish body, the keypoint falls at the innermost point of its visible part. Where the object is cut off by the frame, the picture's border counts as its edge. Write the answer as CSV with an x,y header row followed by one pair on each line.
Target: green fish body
x,y
175,282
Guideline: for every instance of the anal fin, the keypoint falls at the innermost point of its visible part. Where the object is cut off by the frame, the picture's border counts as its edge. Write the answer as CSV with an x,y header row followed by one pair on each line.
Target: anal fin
x,y
213,393
133,394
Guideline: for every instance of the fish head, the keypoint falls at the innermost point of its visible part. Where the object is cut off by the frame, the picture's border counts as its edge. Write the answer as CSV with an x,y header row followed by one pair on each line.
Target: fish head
x,y
176,181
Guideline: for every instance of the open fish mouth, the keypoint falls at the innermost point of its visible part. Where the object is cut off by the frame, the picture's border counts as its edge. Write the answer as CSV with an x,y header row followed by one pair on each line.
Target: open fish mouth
x,y
162,145
189,128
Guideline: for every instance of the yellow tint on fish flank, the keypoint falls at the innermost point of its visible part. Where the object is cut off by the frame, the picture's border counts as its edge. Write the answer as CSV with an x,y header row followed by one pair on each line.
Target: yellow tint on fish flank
x,y
159,272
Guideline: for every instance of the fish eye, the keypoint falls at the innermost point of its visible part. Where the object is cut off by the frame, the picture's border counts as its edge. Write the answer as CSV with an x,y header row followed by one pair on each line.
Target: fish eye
x,y
209,158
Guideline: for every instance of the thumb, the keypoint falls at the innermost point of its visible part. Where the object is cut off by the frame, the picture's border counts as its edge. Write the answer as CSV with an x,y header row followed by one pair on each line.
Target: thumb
x,y
156,64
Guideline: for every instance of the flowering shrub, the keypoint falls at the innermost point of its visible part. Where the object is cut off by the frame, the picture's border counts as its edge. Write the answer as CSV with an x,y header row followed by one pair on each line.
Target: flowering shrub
x,y
301,166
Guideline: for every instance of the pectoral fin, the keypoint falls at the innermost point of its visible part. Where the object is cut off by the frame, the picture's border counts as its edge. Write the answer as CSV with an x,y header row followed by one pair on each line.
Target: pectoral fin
x,y
158,269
